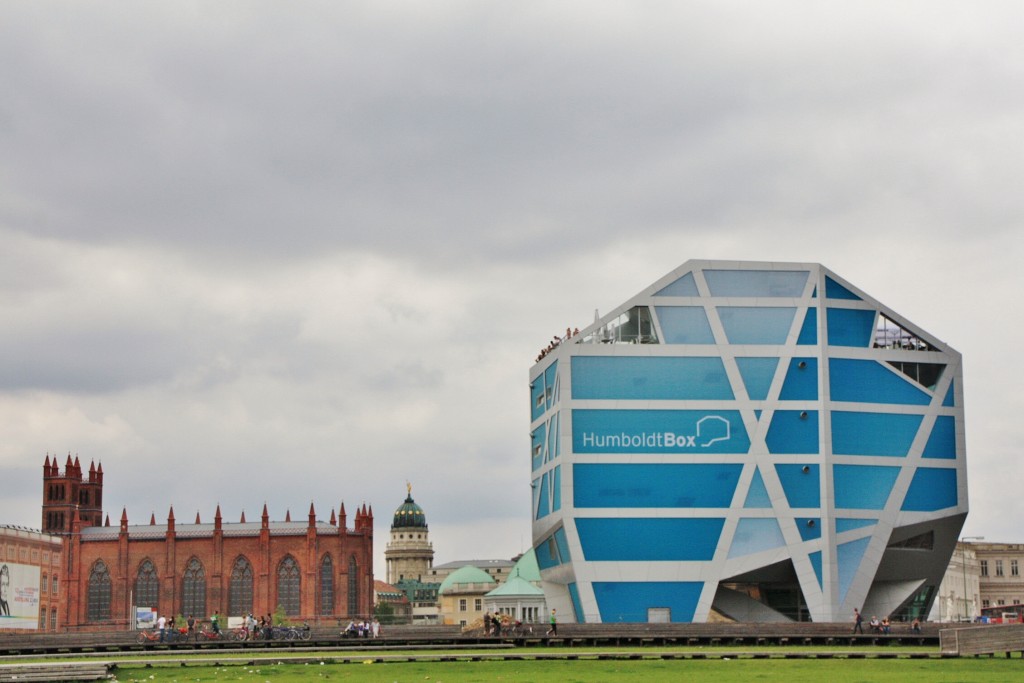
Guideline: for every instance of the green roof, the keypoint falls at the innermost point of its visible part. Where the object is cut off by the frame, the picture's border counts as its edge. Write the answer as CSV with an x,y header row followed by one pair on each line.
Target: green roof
x,y
467,574
516,585
527,567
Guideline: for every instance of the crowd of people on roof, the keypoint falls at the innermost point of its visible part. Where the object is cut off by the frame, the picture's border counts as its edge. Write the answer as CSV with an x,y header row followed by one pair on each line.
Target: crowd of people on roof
x,y
555,341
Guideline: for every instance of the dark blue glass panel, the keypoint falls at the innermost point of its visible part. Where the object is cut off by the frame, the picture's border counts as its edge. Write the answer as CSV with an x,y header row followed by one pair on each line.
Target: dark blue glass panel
x,y
628,601
757,375
756,324
850,523
577,606
809,527
793,432
684,286
643,539
801,484
563,546
950,400
867,381
850,327
649,378
658,431
543,503
556,488
684,325
759,283
862,487
801,380
651,485
809,330
931,489
815,559
942,441
834,290
888,434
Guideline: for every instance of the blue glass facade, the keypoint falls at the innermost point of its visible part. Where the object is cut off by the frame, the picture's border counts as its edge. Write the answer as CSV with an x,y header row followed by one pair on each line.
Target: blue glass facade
x,y
739,431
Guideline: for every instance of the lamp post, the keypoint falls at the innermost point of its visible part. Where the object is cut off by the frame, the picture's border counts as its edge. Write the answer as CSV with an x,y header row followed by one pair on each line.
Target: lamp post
x,y
963,558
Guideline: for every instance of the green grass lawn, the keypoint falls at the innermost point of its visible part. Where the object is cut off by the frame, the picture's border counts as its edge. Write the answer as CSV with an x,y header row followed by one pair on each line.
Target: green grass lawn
x,y
988,670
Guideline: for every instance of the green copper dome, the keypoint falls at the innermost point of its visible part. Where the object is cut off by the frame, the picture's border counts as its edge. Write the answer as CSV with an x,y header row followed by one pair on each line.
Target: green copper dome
x,y
409,514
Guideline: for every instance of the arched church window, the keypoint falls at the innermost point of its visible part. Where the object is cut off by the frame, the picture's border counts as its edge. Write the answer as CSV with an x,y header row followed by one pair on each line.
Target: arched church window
x,y
240,590
193,588
288,583
98,600
326,585
353,586
147,586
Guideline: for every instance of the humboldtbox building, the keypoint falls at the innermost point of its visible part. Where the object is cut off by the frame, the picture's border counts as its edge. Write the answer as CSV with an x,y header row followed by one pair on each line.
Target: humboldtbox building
x,y
750,441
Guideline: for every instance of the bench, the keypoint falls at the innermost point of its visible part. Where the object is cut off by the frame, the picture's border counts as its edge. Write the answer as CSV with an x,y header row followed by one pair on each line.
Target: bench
x,y
982,640
64,671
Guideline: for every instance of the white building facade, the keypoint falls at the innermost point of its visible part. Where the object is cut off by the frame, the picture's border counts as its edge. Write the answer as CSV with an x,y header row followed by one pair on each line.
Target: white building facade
x,y
762,441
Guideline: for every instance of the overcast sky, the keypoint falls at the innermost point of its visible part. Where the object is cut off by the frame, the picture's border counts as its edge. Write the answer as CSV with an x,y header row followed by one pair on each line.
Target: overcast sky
x,y
289,252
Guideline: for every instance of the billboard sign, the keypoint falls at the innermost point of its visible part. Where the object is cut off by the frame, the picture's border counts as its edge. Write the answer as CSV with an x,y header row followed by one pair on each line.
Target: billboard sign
x,y
19,596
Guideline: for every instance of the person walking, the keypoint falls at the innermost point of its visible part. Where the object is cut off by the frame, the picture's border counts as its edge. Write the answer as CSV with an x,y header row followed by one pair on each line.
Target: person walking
x,y
553,631
858,622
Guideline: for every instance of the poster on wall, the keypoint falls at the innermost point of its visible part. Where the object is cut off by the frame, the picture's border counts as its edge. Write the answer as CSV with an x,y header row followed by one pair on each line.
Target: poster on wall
x,y
145,617
19,596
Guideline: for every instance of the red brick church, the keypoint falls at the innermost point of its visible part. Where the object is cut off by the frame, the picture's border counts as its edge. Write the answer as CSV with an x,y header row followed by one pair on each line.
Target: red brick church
x,y
315,571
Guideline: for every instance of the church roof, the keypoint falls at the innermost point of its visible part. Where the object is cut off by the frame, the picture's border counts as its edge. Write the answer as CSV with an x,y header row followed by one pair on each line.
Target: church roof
x,y
409,515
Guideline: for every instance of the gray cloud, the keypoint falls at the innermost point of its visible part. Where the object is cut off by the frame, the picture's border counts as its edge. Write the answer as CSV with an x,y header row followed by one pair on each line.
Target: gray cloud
x,y
250,252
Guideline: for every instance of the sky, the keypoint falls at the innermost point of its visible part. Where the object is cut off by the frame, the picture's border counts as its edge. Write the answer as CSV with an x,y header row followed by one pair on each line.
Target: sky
x,y
306,252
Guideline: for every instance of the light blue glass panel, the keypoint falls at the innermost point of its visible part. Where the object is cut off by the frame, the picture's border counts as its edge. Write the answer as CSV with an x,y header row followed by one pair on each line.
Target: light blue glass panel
x,y
754,535
577,606
628,601
537,445
556,488
789,433
801,380
848,557
563,546
755,324
850,523
889,434
815,559
684,286
543,503
834,290
552,450
658,431
757,374
863,487
761,283
850,327
867,381
809,527
802,488
649,539
651,485
942,442
537,406
535,490
650,378
950,399
757,494
551,393
809,330
684,325
931,489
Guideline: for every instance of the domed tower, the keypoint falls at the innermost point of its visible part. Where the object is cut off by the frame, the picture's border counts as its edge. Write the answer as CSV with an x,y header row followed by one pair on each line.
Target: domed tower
x,y
409,553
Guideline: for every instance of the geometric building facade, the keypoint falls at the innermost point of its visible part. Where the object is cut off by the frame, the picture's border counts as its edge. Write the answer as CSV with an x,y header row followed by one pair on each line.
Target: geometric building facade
x,y
747,441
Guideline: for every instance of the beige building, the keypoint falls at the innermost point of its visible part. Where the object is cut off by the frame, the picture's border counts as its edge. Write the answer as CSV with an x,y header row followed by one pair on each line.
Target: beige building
x,y
980,576
30,589
461,595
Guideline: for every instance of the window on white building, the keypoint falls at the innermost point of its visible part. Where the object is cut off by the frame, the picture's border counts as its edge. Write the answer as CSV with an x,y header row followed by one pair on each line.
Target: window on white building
x,y
999,567
984,567
1014,569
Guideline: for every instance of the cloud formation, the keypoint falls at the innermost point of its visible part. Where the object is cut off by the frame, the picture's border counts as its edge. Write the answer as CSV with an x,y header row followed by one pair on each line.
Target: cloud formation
x,y
256,252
